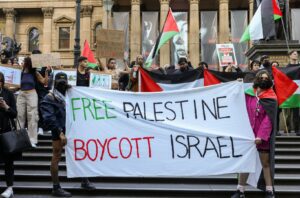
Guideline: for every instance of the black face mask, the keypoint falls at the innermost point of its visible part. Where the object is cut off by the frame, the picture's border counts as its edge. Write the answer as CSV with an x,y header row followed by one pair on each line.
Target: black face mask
x,y
62,87
265,84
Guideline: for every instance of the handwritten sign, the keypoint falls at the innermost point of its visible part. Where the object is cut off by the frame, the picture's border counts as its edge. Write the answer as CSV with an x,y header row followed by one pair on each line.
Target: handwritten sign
x,y
12,75
110,43
42,60
71,73
100,80
174,134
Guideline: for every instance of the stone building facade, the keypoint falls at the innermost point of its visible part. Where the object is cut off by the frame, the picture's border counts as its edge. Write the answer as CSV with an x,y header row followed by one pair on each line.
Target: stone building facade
x,y
53,22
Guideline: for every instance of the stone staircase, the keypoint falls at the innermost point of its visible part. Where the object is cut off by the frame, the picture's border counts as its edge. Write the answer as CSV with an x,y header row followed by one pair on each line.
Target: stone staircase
x,y
32,178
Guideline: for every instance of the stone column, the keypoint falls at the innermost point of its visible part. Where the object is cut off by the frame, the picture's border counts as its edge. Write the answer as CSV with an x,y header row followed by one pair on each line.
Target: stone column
x,y
10,14
165,49
47,30
85,29
135,31
251,9
194,32
223,21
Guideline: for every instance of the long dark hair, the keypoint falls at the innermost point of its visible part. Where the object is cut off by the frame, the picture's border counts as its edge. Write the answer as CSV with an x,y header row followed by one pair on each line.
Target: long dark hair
x,y
2,79
252,64
28,65
258,78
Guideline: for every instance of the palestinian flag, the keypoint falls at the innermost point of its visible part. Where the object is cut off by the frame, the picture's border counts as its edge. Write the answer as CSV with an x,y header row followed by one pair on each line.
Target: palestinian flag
x,y
169,30
87,52
285,81
212,77
262,24
287,86
153,82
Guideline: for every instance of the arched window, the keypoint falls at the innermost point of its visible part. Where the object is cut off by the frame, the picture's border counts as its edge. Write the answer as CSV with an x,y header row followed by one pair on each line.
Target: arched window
x,y
98,26
33,39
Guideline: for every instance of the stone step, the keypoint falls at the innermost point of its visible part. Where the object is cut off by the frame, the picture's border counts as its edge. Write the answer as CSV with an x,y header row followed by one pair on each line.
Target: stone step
x,y
31,156
45,165
150,190
44,175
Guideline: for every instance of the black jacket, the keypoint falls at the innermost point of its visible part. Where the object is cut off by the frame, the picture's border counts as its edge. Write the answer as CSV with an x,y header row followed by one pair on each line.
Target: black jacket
x,y
7,119
54,114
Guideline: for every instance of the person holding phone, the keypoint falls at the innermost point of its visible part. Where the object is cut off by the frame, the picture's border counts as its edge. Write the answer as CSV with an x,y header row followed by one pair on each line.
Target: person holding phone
x,y
8,112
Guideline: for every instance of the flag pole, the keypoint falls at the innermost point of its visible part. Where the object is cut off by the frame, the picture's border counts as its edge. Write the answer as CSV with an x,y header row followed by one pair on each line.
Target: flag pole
x,y
284,30
285,35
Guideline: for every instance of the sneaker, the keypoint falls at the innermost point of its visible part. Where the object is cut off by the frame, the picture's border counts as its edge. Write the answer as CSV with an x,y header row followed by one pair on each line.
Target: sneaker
x,y
40,131
8,193
33,145
238,194
87,185
61,193
269,194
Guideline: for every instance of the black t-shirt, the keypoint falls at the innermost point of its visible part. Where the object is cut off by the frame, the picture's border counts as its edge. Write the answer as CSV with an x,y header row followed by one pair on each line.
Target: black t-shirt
x,y
293,65
83,79
42,91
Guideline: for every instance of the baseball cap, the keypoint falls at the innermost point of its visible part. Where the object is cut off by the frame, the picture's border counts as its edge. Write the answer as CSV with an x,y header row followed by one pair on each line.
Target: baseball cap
x,y
61,76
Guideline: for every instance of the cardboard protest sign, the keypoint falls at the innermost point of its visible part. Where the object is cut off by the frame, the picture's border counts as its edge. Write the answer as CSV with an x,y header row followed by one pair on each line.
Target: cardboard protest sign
x,y
12,75
226,54
193,132
42,60
71,73
100,80
110,43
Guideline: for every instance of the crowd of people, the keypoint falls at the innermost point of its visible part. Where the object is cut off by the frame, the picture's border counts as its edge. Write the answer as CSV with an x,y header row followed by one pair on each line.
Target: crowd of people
x,y
41,105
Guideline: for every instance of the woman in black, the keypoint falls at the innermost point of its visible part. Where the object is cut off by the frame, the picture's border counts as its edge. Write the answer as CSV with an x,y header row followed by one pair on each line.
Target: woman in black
x,y
8,112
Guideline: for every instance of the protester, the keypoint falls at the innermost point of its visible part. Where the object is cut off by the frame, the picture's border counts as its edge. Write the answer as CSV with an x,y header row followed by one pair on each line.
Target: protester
x,y
120,77
262,116
54,115
139,60
42,90
254,66
266,64
27,101
231,68
184,66
83,75
275,64
293,115
15,62
203,65
157,69
134,78
8,113
294,59
83,80
134,74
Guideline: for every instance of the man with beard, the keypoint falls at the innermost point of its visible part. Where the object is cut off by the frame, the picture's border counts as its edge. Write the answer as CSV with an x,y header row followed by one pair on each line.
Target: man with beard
x,y
184,66
262,110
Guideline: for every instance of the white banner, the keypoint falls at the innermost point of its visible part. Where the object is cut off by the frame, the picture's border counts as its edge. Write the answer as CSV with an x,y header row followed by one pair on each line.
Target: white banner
x,y
12,75
195,132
